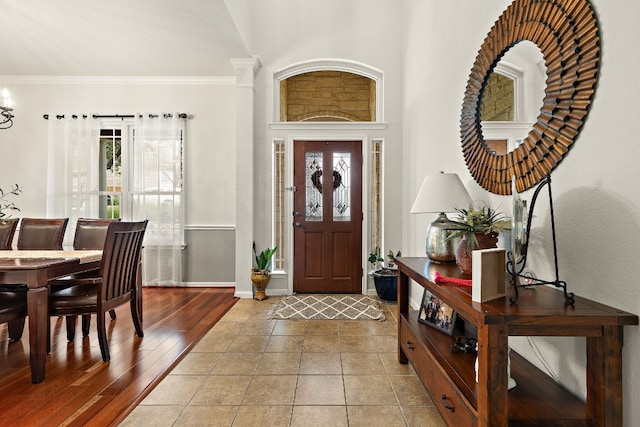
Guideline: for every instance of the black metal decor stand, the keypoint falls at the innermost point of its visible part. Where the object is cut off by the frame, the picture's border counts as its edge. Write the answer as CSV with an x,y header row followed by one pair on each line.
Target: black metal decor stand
x,y
516,269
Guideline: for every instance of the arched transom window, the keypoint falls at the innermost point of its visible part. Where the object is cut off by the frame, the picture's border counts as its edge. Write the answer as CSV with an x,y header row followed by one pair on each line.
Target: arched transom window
x,y
328,96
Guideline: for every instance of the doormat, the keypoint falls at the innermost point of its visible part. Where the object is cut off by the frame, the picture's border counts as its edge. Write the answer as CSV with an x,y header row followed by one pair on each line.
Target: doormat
x,y
338,307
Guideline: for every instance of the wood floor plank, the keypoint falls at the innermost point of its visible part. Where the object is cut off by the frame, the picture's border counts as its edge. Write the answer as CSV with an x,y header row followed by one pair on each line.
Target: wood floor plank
x,y
81,390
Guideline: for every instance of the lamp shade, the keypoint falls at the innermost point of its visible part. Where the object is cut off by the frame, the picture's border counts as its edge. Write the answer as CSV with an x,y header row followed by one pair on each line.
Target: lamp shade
x,y
441,192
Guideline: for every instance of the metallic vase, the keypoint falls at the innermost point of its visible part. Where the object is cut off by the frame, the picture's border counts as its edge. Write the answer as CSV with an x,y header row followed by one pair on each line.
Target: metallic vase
x,y
440,247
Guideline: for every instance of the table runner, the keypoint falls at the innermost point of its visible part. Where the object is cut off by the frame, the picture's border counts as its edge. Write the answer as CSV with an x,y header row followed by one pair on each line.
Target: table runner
x,y
84,255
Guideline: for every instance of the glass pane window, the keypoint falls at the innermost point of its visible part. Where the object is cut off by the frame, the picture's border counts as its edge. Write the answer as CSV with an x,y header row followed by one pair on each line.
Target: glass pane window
x,y
375,195
341,186
110,173
313,187
156,182
279,209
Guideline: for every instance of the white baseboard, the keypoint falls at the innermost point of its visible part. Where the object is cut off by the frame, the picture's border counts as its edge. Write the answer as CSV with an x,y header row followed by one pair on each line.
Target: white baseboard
x,y
243,294
209,284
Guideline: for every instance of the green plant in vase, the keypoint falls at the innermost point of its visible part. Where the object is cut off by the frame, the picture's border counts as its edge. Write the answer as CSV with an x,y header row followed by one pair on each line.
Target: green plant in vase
x,y
478,227
5,204
261,273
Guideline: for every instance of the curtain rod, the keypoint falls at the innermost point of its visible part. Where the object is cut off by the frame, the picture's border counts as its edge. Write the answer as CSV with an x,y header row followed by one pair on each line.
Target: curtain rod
x,y
116,116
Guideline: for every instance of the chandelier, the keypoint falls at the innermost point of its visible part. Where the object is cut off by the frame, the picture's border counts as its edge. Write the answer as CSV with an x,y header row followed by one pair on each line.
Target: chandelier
x,y
6,118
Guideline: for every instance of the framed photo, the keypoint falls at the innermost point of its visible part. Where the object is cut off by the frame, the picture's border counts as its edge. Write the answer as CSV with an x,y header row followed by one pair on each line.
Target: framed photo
x,y
436,313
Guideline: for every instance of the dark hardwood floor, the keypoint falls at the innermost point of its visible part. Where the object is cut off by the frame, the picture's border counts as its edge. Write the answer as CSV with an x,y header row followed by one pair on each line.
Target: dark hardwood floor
x,y
79,388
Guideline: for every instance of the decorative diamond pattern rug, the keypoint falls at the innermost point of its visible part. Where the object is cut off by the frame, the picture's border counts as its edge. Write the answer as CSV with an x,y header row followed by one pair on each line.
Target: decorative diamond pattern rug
x,y
347,307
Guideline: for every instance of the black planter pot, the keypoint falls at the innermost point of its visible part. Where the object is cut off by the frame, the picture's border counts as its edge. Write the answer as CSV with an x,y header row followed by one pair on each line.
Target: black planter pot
x,y
386,286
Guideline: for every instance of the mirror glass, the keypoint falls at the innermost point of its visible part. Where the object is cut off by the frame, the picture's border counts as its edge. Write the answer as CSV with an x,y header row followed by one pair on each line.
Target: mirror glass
x,y
511,100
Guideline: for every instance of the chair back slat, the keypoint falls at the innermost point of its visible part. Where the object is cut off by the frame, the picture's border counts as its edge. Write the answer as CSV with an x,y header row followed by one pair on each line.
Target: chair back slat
x,y
120,258
41,233
7,230
91,233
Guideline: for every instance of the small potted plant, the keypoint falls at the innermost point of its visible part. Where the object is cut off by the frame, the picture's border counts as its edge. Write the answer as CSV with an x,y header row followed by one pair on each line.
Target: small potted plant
x,y
477,227
7,224
261,273
5,205
385,277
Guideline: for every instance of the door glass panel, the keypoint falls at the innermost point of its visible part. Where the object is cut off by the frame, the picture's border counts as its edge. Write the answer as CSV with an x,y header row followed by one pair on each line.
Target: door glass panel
x,y
341,186
313,187
375,195
279,196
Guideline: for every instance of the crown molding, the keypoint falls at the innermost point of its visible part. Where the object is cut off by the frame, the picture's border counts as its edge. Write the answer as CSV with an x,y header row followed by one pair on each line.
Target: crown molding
x,y
119,80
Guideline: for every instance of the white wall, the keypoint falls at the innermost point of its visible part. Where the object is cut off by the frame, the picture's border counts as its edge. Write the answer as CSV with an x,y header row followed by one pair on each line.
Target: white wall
x,y
210,149
595,188
210,146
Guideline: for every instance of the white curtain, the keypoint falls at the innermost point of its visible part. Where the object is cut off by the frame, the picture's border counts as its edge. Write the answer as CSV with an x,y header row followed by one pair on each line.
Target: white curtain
x,y
73,169
156,193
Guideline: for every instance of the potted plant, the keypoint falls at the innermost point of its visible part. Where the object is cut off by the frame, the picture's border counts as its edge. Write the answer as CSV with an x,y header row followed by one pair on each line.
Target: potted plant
x,y
5,204
477,227
261,273
7,224
385,277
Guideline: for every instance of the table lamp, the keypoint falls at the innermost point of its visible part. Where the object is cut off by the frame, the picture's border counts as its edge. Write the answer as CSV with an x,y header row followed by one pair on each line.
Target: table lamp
x,y
441,193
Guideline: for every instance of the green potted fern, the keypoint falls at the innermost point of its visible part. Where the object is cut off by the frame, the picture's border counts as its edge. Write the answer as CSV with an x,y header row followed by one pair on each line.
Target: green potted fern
x,y
261,272
478,227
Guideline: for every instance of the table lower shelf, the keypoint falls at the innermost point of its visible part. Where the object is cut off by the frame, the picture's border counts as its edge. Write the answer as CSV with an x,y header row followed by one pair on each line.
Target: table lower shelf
x,y
537,400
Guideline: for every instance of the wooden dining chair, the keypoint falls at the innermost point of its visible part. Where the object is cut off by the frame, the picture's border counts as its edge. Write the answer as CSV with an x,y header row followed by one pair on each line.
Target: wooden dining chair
x,y
13,311
90,234
7,230
114,285
37,235
41,233
13,299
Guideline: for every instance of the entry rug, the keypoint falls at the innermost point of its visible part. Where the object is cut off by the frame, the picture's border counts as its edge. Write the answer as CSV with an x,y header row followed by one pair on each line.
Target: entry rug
x,y
339,307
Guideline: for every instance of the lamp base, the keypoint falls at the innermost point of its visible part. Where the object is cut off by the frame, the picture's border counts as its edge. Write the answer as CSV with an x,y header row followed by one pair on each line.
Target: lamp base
x,y
440,248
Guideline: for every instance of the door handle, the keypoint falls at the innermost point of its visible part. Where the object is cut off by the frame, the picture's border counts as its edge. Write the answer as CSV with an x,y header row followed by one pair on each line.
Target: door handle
x,y
297,224
297,213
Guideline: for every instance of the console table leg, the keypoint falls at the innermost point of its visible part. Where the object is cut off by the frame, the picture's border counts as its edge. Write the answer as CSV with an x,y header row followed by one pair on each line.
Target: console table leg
x,y
604,377
493,349
403,308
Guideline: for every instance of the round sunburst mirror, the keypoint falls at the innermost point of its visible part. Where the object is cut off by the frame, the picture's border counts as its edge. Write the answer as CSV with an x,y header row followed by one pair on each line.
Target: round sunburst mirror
x,y
567,33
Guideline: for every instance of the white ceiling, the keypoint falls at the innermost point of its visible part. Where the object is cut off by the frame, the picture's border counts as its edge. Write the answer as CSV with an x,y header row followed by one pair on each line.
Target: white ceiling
x,y
118,38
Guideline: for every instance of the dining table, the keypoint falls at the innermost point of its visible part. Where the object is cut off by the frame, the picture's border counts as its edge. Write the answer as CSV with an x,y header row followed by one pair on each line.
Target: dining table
x,y
35,268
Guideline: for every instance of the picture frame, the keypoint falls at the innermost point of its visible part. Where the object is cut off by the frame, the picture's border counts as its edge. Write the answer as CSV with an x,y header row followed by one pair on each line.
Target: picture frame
x,y
435,313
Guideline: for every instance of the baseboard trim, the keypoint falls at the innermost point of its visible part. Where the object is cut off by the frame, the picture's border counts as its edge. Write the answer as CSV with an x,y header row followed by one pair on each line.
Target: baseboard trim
x,y
243,294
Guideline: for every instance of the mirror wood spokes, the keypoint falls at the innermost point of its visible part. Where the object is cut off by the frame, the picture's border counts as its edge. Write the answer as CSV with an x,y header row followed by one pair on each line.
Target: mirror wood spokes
x,y
566,31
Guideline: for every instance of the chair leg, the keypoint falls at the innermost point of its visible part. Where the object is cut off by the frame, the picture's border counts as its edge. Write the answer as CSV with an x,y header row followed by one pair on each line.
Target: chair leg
x,y
86,321
136,317
102,336
71,327
48,334
16,328
86,324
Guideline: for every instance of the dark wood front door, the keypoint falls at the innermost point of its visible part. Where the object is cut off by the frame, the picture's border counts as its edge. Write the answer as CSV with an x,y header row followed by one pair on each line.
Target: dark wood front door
x,y
327,216
497,146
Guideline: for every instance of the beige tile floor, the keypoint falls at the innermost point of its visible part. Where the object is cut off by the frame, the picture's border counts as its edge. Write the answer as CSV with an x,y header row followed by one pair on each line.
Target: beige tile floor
x,y
252,371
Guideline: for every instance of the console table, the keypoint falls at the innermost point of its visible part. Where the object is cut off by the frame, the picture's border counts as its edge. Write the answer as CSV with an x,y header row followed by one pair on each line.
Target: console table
x,y
537,399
